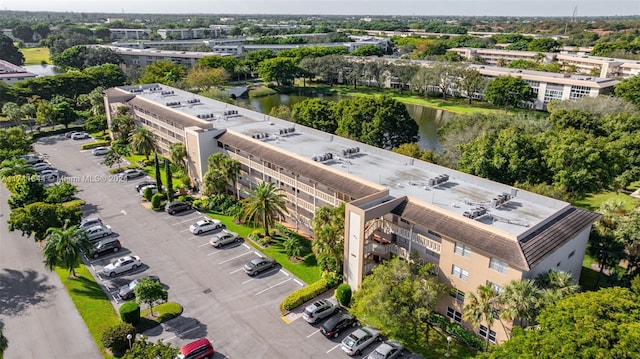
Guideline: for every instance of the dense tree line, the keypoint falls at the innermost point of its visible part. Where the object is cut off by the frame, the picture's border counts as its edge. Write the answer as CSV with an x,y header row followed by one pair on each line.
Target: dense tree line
x,y
378,121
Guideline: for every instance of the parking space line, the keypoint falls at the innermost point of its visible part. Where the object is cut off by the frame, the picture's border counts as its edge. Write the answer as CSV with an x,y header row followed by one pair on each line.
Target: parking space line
x,y
297,281
248,280
192,238
285,273
330,350
309,336
185,332
202,245
273,286
186,220
236,271
212,253
238,256
246,245
184,230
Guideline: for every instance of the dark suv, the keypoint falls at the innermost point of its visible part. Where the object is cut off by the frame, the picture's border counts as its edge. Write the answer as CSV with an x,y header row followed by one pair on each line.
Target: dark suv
x,y
332,327
107,245
177,206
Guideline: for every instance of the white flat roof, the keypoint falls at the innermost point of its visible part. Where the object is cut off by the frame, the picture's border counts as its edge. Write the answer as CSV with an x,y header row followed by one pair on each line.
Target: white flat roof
x,y
403,176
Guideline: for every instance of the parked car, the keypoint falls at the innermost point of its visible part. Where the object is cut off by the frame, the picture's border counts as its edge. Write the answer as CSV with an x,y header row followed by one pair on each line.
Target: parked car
x,y
98,231
127,290
336,324
144,184
354,343
199,349
320,309
122,265
131,173
90,222
80,136
107,245
32,159
387,350
223,238
39,167
100,151
206,225
153,187
177,206
70,133
48,175
259,265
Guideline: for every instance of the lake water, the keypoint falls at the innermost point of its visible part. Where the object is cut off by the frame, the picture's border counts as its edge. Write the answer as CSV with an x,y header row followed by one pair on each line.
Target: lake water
x,y
427,118
41,70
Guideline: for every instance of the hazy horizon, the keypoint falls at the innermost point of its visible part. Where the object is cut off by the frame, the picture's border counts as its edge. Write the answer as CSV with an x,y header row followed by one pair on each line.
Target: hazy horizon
x,y
521,8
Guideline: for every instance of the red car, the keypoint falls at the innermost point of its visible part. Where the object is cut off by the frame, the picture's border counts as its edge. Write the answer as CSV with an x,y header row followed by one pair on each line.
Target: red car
x,y
199,349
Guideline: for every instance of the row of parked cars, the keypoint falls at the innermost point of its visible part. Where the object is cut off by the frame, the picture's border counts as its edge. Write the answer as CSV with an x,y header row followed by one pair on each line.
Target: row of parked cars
x,y
44,170
358,340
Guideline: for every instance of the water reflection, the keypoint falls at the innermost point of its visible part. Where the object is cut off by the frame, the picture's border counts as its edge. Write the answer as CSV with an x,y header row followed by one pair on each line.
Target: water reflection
x,y
427,118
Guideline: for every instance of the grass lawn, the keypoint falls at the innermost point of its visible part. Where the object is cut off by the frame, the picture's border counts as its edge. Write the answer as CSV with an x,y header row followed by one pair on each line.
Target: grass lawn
x,y
162,313
92,303
36,55
593,201
307,270
151,170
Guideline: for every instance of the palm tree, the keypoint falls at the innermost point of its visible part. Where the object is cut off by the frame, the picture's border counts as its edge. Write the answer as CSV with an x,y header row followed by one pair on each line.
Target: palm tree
x,y
480,308
64,248
178,153
556,285
328,227
142,141
15,166
266,201
520,301
221,171
116,155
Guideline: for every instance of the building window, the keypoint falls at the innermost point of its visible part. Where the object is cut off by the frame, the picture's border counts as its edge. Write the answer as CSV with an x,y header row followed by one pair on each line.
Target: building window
x,y
498,265
498,289
457,294
454,314
484,332
459,272
571,254
579,91
462,250
437,235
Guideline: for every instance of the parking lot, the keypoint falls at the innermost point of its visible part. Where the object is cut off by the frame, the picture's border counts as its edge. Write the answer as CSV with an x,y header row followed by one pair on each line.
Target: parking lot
x,y
238,313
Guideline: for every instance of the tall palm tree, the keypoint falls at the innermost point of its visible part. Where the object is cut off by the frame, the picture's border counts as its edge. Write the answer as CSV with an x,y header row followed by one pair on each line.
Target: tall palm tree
x,y
64,248
328,227
221,171
15,166
115,156
266,201
519,302
142,141
480,308
556,285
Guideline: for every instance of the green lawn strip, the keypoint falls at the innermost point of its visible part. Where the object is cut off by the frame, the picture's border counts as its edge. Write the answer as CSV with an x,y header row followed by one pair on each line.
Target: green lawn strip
x,y
36,55
91,301
73,202
151,170
593,201
307,269
161,313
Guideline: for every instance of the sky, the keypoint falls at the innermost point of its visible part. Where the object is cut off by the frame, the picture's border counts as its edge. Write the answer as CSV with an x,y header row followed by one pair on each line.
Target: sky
x,y
339,7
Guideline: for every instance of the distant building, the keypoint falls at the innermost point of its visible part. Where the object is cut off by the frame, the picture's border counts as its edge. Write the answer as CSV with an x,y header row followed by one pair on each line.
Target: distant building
x,y
130,34
144,57
10,73
186,34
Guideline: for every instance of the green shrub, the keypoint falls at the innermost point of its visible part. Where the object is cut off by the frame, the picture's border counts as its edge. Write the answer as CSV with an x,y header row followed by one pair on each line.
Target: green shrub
x,y
156,199
200,203
457,331
115,338
44,133
303,294
122,168
130,312
148,192
255,235
332,278
186,198
343,294
264,241
88,146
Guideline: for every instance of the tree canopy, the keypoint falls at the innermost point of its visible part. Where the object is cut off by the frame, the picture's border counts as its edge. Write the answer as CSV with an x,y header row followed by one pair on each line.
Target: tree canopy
x,y
9,52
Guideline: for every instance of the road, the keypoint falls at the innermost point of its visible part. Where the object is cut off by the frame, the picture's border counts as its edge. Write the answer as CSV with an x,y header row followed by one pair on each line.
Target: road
x,y
40,319
238,313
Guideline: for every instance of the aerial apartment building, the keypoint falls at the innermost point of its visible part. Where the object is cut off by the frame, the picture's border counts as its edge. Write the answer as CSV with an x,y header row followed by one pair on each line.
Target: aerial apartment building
x,y
474,230
597,66
130,34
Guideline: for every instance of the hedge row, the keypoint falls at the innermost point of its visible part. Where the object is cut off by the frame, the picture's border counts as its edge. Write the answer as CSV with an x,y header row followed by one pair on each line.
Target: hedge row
x,y
43,133
304,294
121,169
88,146
458,332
